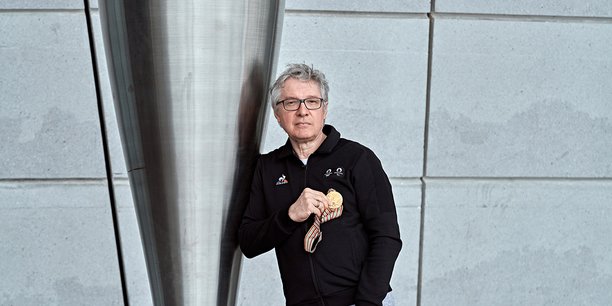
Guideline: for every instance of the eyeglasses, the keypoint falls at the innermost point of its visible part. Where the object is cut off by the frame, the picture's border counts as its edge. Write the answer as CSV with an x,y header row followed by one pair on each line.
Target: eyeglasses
x,y
294,104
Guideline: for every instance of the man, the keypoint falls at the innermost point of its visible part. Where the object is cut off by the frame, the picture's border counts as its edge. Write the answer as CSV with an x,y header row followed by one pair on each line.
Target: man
x,y
322,202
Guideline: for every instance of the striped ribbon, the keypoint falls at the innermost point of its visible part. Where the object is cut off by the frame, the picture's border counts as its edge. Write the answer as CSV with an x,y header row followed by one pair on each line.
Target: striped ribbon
x,y
314,234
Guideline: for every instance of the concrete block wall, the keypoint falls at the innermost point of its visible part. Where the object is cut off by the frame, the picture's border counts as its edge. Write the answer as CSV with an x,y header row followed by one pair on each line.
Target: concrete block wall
x,y
492,119
57,240
56,231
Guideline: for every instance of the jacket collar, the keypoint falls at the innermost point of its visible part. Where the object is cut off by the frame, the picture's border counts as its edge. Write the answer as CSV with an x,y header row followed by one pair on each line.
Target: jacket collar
x,y
333,136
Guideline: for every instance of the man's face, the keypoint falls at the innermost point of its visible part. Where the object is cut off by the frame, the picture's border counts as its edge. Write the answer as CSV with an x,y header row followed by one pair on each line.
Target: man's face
x,y
302,125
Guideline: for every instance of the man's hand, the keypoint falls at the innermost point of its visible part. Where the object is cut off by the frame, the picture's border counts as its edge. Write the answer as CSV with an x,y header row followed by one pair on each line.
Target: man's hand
x,y
309,202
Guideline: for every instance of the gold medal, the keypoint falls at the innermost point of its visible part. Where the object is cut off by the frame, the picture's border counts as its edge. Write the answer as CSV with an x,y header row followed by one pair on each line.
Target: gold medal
x,y
335,199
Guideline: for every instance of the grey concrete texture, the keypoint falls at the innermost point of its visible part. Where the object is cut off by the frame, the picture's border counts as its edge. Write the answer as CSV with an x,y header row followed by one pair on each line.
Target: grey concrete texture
x,y
41,4
377,71
517,242
577,8
117,158
260,282
521,99
57,244
49,123
55,228
136,276
396,6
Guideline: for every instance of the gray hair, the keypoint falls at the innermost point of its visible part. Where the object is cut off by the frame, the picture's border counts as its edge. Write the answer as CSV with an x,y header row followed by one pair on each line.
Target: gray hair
x,y
300,72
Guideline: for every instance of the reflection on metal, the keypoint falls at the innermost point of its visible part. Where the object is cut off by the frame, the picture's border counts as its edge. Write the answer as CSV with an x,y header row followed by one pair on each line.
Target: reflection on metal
x,y
189,80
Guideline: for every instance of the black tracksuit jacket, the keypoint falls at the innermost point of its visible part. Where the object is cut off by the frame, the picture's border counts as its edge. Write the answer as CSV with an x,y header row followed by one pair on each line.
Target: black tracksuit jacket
x,y
354,261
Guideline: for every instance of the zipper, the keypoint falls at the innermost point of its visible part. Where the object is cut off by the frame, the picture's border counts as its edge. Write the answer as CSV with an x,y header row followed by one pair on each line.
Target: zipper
x,y
312,270
314,279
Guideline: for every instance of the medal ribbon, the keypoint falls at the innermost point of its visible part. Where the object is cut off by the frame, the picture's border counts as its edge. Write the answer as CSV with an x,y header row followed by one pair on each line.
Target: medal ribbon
x,y
314,234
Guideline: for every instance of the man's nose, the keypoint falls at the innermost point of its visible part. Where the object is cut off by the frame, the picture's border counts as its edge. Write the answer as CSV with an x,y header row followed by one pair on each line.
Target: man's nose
x,y
302,110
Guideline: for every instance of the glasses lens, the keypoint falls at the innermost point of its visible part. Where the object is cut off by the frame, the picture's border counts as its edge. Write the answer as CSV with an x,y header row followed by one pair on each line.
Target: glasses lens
x,y
312,103
291,104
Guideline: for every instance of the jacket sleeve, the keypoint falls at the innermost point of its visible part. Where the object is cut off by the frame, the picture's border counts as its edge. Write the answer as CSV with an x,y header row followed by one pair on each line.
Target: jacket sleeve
x,y
377,209
260,230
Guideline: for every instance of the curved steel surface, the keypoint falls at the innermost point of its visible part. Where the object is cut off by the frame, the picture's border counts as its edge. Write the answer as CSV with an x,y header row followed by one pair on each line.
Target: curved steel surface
x,y
189,80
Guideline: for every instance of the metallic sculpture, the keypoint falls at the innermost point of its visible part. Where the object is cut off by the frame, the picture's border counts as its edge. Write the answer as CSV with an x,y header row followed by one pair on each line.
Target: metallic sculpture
x,y
189,80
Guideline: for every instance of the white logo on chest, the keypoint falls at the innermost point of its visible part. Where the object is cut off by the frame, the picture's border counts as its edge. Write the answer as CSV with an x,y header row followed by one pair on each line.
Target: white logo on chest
x,y
338,172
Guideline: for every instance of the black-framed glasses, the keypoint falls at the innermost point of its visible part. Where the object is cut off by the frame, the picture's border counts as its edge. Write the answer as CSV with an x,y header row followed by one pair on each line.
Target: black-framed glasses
x,y
294,104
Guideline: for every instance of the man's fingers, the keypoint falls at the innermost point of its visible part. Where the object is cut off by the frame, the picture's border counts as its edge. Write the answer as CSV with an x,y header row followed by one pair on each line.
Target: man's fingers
x,y
315,201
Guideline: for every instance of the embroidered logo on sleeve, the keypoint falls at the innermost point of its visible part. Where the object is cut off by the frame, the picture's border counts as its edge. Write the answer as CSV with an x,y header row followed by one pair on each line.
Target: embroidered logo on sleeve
x,y
282,180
